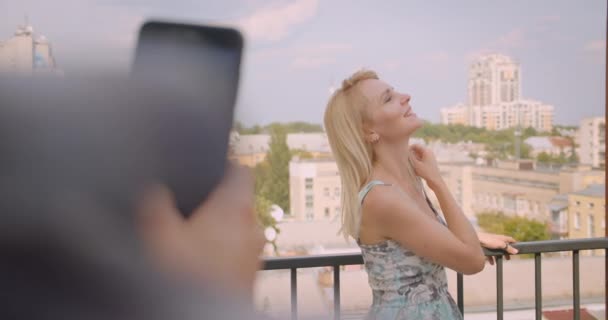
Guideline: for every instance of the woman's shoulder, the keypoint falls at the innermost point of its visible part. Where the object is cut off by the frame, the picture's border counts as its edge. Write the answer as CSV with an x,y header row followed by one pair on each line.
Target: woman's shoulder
x,y
381,198
389,206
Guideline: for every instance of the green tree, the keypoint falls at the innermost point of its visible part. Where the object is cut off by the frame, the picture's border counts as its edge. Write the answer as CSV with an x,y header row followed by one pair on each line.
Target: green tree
x,y
573,158
238,126
256,129
296,127
260,173
529,132
302,154
543,157
275,187
520,228
263,205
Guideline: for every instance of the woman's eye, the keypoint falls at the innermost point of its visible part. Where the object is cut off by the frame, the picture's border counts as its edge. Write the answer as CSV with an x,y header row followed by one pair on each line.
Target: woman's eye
x,y
389,98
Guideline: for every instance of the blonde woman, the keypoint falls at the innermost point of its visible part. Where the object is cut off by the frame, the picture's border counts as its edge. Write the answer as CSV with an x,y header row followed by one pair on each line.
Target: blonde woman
x,y
405,243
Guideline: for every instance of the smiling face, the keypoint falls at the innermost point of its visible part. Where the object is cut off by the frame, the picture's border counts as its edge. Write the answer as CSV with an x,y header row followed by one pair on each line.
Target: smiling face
x,y
389,114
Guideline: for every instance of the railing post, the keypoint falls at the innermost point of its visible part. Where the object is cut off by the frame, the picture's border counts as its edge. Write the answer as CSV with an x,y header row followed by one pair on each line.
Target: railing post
x,y
294,294
538,294
460,292
576,286
337,292
499,289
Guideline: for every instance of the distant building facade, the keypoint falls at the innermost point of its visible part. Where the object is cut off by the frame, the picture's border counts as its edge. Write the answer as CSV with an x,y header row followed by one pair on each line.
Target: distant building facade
x,y
550,145
579,214
26,54
495,101
314,189
591,140
251,149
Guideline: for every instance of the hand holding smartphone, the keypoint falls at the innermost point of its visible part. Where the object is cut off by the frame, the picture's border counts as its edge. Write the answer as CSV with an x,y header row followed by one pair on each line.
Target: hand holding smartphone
x,y
199,67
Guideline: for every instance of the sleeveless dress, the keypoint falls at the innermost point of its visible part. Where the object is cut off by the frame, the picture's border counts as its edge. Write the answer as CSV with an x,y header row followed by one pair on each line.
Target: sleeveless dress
x,y
405,286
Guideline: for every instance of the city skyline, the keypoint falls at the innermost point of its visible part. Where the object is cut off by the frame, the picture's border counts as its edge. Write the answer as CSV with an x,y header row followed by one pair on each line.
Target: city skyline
x,y
297,49
495,101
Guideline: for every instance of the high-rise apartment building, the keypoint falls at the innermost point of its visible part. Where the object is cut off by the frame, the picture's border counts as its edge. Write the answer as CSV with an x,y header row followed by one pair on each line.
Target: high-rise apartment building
x,y
27,54
495,101
591,140
493,79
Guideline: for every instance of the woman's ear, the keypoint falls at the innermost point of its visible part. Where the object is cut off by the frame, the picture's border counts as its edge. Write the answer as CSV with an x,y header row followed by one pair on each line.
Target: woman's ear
x,y
372,137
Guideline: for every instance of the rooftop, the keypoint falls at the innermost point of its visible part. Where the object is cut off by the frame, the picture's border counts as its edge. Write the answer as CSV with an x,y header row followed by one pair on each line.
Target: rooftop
x,y
593,190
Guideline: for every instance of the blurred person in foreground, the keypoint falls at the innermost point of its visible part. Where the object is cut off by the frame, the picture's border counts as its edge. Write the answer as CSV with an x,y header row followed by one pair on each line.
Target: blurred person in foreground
x,y
87,232
404,241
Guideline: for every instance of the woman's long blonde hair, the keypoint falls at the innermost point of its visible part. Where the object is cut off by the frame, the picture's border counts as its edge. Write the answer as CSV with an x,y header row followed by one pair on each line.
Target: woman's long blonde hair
x,y
343,121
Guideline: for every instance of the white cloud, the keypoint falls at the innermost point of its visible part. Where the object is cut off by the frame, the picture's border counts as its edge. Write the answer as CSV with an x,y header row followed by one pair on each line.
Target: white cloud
x,y
475,54
549,18
392,64
595,46
310,56
273,23
596,50
439,57
512,39
311,62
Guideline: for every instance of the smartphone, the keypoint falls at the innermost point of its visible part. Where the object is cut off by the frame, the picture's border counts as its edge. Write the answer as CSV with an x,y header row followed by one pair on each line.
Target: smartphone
x,y
196,68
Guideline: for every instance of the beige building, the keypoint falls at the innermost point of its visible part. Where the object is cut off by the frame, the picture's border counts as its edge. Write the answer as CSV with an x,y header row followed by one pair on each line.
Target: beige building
x,y
549,145
526,191
525,113
454,115
591,140
494,79
458,177
251,149
517,188
316,144
495,101
587,213
27,54
314,189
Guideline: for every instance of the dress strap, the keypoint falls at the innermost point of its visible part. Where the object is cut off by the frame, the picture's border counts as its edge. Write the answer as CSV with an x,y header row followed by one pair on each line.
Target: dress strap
x,y
366,189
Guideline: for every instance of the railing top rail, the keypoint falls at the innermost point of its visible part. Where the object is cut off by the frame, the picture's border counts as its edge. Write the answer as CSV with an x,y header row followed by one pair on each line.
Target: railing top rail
x,y
355,258
555,246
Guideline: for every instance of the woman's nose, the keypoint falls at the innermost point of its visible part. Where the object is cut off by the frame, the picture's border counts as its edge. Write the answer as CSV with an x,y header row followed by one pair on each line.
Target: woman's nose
x,y
405,98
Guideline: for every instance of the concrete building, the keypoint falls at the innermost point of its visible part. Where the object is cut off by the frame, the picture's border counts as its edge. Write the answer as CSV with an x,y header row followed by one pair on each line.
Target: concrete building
x,y
251,149
549,145
522,113
458,177
454,115
591,140
314,143
495,101
513,187
493,79
587,213
27,54
526,191
517,188
314,189
558,223
526,113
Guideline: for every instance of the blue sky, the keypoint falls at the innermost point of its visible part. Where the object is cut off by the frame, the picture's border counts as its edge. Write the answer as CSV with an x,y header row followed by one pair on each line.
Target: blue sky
x,y
297,49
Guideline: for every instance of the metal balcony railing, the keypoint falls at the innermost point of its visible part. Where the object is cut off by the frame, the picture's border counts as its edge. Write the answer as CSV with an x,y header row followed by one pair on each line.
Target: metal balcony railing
x,y
536,248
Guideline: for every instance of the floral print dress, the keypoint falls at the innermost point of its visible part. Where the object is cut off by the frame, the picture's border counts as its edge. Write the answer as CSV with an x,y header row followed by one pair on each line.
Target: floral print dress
x,y
405,286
